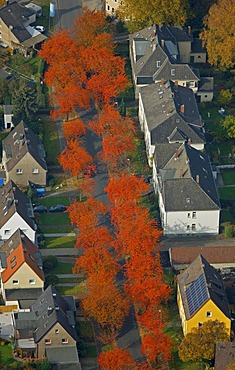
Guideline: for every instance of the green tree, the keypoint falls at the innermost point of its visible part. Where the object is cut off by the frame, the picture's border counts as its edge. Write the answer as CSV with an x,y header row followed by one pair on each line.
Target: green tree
x,y
198,10
219,34
141,13
23,97
200,343
49,263
225,97
229,125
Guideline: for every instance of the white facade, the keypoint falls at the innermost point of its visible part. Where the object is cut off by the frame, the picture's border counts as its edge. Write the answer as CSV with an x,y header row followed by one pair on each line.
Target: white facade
x,y
14,223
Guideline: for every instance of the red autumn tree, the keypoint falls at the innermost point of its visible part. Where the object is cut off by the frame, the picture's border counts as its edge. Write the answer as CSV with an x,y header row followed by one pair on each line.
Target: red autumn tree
x,y
74,129
85,214
74,158
100,237
154,345
116,359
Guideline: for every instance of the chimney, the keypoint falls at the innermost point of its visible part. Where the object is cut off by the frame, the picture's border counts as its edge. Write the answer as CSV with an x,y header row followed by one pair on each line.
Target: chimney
x,y
162,43
168,111
189,141
161,82
181,172
176,83
182,108
189,30
197,179
176,154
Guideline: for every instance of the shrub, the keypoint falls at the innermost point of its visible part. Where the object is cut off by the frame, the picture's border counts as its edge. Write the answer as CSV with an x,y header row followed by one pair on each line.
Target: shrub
x,y
51,280
228,231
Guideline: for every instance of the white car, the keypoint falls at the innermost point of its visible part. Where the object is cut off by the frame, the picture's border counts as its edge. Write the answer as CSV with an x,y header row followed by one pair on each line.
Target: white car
x,y
39,28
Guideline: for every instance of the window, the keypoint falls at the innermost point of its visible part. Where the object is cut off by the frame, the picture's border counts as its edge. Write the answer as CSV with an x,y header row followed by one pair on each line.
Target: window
x,y
47,341
108,7
35,170
205,96
173,72
19,171
199,56
15,282
191,84
112,10
158,63
7,232
64,340
200,324
31,281
209,314
13,259
57,331
193,227
189,215
194,214
188,227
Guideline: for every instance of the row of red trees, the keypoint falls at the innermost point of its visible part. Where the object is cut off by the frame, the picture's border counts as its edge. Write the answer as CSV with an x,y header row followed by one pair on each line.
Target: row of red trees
x,y
84,70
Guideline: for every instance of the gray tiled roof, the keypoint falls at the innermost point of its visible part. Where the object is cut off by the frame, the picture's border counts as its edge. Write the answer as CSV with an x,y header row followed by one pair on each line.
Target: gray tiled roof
x,y
162,104
13,200
51,308
187,181
206,84
224,355
21,141
214,285
182,72
196,47
22,294
15,15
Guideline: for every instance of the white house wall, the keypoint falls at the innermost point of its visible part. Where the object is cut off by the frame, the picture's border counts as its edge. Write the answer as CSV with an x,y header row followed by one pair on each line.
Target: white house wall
x,y
14,223
181,223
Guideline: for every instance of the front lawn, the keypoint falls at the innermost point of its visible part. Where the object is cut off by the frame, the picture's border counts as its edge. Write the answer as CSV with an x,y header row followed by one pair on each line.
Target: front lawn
x,y
226,216
6,358
227,193
53,200
54,229
62,268
61,242
228,177
51,142
75,291
54,219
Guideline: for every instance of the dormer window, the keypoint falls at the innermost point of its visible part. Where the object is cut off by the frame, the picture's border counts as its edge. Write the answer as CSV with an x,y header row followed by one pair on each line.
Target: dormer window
x,y
158,63
173,72
19,171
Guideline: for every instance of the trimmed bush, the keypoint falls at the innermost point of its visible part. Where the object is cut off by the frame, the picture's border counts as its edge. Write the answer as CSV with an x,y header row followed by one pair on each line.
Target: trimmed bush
x,y
228,231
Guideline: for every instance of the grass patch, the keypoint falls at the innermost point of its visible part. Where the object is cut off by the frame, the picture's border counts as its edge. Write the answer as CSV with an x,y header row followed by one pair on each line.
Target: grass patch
x,y
61,242
51,142
87,350
76,291
53,229
53,200
54,219
228,177
227,193
6,358
226,216
62,268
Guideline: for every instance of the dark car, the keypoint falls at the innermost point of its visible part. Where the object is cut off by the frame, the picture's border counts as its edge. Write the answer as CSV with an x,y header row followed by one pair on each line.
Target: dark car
x,y
40,209
58,208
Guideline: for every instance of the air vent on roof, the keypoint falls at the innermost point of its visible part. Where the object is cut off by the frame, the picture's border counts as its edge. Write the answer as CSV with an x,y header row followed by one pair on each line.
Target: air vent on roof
x,y
57,308
54,294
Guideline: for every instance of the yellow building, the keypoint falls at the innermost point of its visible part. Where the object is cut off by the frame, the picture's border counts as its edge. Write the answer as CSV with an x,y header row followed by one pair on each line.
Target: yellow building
x,y
201,296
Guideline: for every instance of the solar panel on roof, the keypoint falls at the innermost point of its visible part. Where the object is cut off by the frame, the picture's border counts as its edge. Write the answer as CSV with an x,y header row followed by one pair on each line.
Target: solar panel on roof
x,y
196,294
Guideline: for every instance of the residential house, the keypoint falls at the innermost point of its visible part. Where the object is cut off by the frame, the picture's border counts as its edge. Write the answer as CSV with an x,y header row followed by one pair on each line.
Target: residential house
x,y
22,278
220,257
15,28
16,212
111,7
224,355
24,157
188,198
201,296
168,113
48,329
162,53
8,115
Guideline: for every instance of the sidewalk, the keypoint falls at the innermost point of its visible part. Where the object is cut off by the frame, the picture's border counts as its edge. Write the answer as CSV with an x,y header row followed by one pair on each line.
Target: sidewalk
x,y
60,252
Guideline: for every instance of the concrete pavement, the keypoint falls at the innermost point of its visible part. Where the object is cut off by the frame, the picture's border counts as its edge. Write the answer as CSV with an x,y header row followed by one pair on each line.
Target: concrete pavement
x,y
60,252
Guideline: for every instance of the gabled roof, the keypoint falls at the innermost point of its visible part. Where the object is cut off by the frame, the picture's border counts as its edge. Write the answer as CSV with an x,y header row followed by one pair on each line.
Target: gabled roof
x,y
179,72
162,108
187,180
196,47
214,255
49,309
206,84
19,250
13,200
14,16
198,284
21,141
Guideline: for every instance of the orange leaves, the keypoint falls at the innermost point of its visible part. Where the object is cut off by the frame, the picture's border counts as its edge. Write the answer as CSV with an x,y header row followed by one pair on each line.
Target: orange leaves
x,y
125,188
73,129
100,237
74,158
155,346
85,215
116,359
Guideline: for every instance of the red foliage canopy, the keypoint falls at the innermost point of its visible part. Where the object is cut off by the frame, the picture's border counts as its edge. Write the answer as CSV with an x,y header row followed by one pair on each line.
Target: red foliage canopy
x,y
116,359
73,129
74,158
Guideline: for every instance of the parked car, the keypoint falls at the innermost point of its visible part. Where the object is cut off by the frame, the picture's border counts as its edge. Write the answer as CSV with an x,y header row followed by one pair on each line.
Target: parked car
x,y
58,208
40,209
39,28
